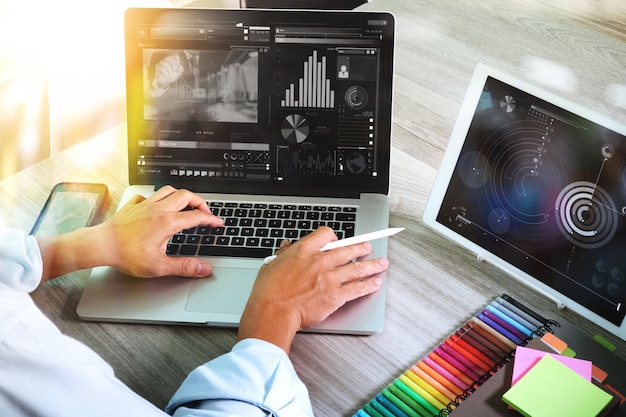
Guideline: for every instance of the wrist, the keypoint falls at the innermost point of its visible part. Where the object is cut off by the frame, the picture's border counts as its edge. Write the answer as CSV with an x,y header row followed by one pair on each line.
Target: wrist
x,y
69,252
269,322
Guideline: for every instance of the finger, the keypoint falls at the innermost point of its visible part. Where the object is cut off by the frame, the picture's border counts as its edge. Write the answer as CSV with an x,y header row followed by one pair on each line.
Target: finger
x,y
162,193
359,288
318,238
341,256
192,218
284,244
356,271
177,200
187,267
136,199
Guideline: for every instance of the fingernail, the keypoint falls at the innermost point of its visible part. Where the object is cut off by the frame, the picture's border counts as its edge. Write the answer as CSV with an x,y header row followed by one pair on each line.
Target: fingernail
x,y
384,261
284,243
203,269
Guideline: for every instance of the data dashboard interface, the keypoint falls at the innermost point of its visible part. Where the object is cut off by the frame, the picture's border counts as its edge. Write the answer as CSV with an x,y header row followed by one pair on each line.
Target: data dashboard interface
x,y
236,100
543,189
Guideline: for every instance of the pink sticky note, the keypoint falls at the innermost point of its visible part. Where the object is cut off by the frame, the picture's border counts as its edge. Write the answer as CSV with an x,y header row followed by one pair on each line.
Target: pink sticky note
x,y
526,358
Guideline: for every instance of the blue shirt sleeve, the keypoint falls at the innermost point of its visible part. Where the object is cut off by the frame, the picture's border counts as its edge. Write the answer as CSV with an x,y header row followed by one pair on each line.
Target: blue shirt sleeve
x,y
255,379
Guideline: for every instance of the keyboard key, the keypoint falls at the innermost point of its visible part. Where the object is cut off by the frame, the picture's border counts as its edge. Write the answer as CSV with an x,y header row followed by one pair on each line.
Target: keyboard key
x,y
276,232
222,241
234,251
178,239
193,239
274,223
172,249
188,250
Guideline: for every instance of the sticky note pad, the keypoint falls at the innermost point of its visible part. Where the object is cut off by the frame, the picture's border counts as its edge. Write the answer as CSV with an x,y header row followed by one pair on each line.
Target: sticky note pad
x,y
550,389
526,358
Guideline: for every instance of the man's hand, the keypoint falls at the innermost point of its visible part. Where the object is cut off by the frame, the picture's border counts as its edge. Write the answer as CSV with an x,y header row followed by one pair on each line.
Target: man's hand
x,y
134,239
303,286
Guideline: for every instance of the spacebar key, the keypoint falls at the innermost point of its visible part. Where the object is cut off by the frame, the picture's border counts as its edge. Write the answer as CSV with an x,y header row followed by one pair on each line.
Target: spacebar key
x,y
234,251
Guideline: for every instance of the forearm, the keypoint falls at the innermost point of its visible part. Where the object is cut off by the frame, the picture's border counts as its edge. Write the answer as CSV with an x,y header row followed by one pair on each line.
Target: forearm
x,y
73,251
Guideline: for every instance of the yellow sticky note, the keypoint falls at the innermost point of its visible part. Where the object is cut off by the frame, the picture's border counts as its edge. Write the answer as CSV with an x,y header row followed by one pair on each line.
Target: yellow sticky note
x,y
551,389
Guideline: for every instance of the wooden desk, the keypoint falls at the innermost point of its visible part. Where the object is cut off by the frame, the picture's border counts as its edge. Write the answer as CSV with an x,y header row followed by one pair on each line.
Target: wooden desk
x,y
433,285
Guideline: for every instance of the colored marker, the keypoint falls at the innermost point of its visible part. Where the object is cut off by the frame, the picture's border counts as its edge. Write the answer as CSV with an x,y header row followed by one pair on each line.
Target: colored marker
x,y
419,393
501,307
492,331
466,382
432,392
505,325
371,411
421,404
405,397
480,360
361,413
437,390
490,346
458,361
525,309
402,406
389,406
505,346
448,388
500,329
470,339
458,385
526,332
382,410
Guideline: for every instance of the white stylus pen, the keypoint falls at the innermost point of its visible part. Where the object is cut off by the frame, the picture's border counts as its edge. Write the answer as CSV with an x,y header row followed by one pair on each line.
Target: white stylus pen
x,y
366,237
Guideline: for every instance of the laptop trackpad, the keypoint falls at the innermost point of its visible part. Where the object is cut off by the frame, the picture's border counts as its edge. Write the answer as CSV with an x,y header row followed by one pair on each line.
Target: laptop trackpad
x,y
225,291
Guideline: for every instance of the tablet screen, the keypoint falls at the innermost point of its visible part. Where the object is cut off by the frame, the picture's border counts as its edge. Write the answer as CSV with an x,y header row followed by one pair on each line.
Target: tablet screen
x,y
543,189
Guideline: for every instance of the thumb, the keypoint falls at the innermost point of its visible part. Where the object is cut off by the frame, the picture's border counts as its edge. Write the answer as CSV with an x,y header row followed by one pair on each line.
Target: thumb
x,y
189,267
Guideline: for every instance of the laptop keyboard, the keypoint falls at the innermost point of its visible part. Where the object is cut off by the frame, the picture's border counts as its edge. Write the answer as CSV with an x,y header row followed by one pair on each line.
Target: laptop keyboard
x,y
255,230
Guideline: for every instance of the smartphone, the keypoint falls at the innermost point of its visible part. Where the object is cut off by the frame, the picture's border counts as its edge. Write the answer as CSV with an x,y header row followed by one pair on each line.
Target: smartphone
x,y
70,206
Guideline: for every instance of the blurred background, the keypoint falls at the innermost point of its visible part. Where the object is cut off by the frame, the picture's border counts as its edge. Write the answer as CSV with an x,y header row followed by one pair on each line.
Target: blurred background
x,y
62,73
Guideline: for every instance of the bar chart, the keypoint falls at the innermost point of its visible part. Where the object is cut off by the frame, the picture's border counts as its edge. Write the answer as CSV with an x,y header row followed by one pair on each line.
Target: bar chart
x,y
313,89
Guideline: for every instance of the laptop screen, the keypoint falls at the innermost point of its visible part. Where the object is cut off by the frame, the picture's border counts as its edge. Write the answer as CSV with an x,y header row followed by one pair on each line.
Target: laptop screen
x,y
543,189
260,101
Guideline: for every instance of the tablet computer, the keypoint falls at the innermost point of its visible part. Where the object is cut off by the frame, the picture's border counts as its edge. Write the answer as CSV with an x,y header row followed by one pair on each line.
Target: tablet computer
x,y
536,185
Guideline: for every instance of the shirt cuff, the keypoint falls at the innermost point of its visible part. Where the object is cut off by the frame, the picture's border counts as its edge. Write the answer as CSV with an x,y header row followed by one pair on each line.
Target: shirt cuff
x,y
254,372
22,265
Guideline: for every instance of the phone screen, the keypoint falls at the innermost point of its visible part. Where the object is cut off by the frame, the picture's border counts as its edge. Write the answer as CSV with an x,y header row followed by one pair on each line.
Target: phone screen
x,y
67,211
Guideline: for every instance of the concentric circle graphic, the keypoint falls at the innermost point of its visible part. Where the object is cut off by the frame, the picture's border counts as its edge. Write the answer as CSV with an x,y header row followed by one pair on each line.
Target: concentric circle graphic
x,y
586,214
295,128
356,97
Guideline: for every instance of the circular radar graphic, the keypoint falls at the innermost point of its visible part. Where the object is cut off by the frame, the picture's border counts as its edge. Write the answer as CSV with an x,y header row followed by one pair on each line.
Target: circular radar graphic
x,y
508,103
356,97
356,163
294,128
586,215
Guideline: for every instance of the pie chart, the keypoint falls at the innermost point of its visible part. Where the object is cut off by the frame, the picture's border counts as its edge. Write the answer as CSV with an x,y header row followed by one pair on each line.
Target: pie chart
x,y
508,103
294,128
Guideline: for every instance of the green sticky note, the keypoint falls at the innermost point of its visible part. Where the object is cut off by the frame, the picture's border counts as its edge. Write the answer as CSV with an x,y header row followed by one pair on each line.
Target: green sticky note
x,y
551,389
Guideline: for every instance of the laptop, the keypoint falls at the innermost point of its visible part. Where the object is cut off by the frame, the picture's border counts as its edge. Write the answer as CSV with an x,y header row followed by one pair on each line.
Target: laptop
x,y
258,111
536,185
